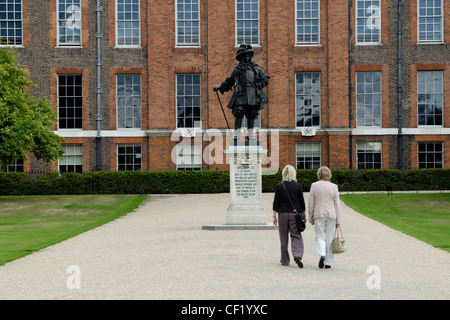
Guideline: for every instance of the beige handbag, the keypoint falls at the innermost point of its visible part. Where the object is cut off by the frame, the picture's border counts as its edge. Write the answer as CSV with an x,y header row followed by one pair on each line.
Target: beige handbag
x,y
339,245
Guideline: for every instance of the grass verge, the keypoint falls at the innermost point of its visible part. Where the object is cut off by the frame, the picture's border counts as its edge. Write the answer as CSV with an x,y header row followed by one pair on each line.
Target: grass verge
x,y
423,216
30,223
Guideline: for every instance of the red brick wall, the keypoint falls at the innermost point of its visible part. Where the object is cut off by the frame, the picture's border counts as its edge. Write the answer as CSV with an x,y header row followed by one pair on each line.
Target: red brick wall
x,y
159,60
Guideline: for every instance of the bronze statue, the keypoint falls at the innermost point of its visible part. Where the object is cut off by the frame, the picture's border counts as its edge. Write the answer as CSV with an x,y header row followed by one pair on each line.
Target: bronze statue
x,y
248,97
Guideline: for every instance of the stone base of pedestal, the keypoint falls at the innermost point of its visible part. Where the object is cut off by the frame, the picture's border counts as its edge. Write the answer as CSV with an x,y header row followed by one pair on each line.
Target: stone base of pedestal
x,y
245,211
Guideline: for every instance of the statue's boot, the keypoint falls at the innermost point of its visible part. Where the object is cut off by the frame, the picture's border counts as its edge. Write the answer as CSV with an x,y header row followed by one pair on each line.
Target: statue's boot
x,y
251,130
237,129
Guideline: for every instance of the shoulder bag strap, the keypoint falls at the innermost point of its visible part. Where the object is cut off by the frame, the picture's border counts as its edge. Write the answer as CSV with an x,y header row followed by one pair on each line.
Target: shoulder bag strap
x,y
289,197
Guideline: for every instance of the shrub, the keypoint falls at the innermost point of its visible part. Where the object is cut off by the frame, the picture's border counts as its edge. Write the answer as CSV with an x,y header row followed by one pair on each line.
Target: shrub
x,y
211,181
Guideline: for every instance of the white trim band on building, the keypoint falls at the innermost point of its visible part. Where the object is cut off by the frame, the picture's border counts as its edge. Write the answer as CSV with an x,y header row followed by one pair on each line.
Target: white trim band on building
x,y
133,133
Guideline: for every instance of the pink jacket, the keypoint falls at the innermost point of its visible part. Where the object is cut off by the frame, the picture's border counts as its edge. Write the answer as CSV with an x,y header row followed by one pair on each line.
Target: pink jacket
x,y
324,201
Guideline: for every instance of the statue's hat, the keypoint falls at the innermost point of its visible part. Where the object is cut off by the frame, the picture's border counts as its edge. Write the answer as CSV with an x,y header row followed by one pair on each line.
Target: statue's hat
x,y
243,49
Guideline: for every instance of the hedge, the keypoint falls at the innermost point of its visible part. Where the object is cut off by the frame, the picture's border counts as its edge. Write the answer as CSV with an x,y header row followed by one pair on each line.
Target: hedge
x,y
213,181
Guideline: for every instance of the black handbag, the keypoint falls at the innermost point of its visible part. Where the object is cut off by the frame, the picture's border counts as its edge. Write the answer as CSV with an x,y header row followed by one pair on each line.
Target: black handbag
x,y
299,218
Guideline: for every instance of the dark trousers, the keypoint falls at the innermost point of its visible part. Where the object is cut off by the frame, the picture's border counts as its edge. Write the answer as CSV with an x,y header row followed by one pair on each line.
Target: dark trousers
x,y
288,226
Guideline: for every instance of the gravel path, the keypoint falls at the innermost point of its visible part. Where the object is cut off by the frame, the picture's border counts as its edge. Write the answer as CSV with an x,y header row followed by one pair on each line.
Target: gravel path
x,y
160,251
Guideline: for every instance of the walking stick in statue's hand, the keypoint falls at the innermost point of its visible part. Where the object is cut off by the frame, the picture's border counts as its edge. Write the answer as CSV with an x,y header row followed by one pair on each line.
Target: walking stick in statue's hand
x,y
223,111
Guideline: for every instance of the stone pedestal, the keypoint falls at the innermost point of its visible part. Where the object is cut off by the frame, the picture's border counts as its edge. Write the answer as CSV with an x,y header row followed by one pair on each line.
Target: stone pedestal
x,y
246,210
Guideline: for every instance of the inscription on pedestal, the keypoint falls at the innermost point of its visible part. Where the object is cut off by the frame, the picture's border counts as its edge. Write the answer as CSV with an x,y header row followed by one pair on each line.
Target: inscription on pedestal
x,y
245,179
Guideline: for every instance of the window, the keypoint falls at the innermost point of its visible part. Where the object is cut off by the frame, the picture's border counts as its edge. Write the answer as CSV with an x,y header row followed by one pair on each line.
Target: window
x,y
368,155
69,22
189,156
188,100
368,99
308,155
430,97
430,15
188,23
70,101
128,101
128,23
11,23
307,22
18,166
72,160
129,157
307,99
368,22
247,22
431,155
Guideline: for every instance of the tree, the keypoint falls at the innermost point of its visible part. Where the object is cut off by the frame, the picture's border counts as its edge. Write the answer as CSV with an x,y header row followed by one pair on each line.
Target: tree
x,y
25,121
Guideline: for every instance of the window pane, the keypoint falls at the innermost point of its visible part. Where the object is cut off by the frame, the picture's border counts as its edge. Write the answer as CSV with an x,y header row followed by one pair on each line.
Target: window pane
x,y
368,20
11,22
188,100
308,155
128,101
127,23
368,99
129,157
72,160
307,21
188,22
189,156
430,21
430,155
247,22
369,155
430,98
70,101
307,99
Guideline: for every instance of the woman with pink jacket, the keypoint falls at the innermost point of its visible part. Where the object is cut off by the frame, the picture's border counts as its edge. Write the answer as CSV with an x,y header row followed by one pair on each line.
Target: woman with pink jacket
x,y
324,214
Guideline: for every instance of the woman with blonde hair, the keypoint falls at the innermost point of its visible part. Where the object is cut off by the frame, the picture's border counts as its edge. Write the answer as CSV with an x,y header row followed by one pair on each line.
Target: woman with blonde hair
x,y
324,214
286,220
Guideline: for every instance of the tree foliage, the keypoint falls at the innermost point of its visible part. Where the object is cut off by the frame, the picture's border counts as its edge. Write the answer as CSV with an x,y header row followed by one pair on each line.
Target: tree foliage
x,y
25,121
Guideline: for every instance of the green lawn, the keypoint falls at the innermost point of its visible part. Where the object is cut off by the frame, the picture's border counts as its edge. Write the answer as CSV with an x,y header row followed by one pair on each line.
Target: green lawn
x,y
30,223
423,216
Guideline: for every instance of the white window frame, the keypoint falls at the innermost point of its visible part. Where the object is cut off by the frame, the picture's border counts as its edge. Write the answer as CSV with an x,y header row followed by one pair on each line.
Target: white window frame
x,y
197,124
59,44
297,19
431,16
304,94
72,156
17,166
312,153
82,101
439,92
380,94
374,20
375,147
192,44
126,97
117,33
237,44
192,152
14,21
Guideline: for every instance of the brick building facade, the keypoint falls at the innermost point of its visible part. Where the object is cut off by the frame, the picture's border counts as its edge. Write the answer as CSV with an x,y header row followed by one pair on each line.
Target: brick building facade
x,y
133,79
